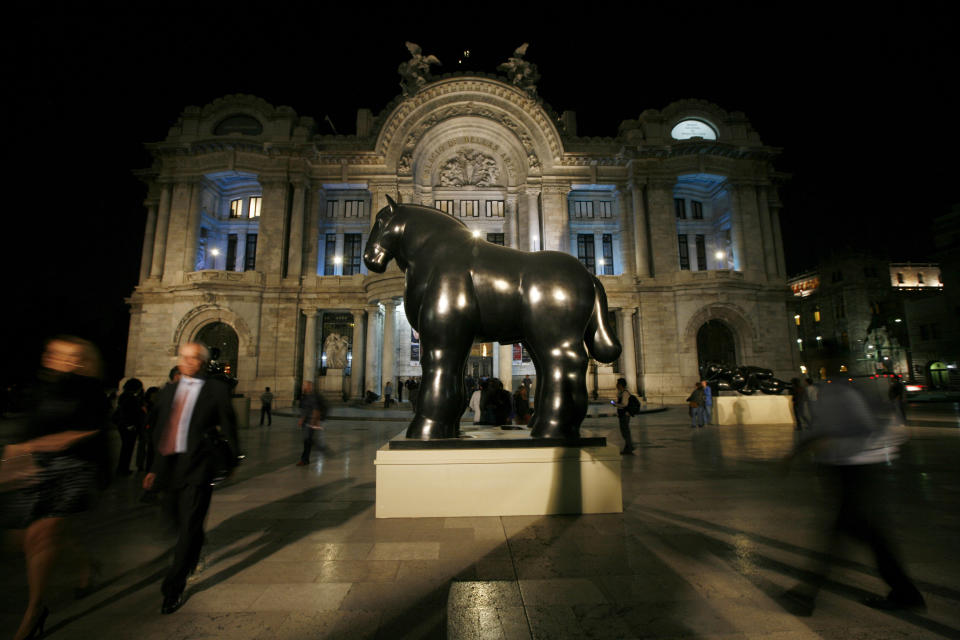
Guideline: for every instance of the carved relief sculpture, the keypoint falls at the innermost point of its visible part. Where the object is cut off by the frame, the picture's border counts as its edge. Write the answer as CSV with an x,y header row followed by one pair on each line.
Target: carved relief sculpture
x,y
336,347
469,167
458,288
521,73
415,72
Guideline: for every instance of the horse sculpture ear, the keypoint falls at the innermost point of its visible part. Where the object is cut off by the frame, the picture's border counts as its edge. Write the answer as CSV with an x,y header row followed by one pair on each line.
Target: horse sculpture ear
x,y
392,204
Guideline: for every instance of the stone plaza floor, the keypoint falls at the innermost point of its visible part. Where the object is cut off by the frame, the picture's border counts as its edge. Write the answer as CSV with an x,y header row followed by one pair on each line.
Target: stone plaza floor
x,y
713,532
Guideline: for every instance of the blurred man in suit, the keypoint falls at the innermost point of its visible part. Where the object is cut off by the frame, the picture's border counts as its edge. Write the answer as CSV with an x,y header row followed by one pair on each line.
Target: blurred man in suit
x,y
190,412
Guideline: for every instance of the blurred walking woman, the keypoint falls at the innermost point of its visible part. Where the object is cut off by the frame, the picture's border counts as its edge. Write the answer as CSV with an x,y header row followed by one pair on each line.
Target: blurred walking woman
x,y
66,441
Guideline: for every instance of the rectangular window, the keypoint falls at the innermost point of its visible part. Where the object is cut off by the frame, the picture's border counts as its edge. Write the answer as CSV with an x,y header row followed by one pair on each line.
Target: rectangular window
x,y
250,254
606,242
329,255
332,208
684,252
816,314
585,251
495,238
444,205
231,252
469,208
236,208
696,210
841,307
583,209
494,208
605,209
353,208
254,210
680,208
701,253
351,254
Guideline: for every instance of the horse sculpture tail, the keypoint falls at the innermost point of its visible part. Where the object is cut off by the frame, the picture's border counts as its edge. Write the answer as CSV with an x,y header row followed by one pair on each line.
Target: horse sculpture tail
x,y
602,344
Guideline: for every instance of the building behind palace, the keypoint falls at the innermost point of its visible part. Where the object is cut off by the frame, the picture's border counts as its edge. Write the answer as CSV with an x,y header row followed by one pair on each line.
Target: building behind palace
x,y
256,225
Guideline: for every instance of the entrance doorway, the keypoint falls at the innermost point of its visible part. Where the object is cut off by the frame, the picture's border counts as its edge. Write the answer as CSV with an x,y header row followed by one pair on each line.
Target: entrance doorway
x,y
224,346
715,343
939,375
480,362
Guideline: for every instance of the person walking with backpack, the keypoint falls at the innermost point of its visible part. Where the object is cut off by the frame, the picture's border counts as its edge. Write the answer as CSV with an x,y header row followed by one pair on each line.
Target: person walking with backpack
x,y
623,416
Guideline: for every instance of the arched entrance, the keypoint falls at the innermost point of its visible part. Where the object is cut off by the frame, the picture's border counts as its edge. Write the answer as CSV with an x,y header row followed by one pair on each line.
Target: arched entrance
x,y
224,346
715,343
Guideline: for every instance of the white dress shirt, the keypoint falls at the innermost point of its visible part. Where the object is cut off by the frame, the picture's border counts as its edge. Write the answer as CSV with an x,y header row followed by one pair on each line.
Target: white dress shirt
x,y
187,389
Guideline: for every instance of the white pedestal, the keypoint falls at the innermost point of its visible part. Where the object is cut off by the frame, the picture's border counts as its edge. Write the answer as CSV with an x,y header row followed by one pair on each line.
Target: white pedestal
x,y
757,409
424,483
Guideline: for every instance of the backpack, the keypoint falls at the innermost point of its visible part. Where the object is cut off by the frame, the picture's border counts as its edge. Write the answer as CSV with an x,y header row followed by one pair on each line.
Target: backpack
x,y
633,405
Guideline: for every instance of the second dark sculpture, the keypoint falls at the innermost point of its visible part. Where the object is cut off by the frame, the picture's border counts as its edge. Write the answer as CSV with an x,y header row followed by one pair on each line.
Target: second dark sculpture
x,y
460,288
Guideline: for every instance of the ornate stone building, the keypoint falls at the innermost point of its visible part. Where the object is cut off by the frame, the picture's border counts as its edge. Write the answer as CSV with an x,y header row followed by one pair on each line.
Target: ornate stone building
x,y
256,225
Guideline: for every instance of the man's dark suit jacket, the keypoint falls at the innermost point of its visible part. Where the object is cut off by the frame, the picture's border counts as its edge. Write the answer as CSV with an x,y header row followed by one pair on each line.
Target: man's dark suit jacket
x,y
212,411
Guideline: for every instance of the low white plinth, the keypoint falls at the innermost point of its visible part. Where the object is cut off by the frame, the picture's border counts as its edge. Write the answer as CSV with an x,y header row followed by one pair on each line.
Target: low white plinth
x,y
757,409
423,483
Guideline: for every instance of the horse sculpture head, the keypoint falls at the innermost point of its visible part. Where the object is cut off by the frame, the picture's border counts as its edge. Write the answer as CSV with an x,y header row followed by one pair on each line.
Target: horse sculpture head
x,y
384,240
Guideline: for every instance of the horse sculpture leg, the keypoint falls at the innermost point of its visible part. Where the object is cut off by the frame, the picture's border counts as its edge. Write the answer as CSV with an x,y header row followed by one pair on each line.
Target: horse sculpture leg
x,y
561,398
443,356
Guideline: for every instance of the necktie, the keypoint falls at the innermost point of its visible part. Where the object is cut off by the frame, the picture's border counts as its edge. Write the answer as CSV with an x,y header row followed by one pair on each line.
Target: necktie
x,y
169,444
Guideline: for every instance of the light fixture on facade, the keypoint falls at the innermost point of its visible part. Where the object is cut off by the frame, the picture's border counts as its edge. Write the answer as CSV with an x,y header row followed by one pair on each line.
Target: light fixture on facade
x,y
214,252
803,369
476,234
719,255
897,320
337,260
819,338
799,340
600,262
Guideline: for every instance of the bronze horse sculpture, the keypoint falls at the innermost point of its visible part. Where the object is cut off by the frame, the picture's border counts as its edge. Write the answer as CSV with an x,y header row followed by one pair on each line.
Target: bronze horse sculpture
x,y
459,288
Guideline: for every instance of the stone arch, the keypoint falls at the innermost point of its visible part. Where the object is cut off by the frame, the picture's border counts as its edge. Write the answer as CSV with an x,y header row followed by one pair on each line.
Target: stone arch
x,y
745,334
511,109
198,317
473,135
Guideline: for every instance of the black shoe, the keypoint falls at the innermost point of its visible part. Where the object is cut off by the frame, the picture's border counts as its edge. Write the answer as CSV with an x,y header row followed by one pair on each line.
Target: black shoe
x,y
894,602
171,603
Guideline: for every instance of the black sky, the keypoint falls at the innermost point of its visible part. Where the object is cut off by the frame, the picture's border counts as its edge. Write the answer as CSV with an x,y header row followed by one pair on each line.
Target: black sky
x,y
861,102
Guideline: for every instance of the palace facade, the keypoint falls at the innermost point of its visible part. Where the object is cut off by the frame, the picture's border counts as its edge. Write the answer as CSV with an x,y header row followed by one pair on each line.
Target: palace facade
x,y
256,225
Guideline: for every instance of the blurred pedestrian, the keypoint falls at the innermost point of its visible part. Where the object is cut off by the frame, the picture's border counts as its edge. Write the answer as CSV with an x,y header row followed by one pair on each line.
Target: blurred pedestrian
x,y
475,399
66,441
313,411
853,445
623,416
898,397
266,406
707,401
130,418
695,403
521,405
192,416
798,399
399,390
387,395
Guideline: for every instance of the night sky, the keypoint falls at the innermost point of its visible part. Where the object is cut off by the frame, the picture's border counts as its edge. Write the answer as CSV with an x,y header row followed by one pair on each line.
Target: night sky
x,y
860,102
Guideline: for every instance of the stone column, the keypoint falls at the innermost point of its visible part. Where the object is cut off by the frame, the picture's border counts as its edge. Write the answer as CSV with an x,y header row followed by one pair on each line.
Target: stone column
x,y
624,214
193,227
533,221
388,372
751,227
146,255
564,245
295,245
766,226
778,241
310,347
356,366
505,370
160,236
511,211
641,243
180,201
508,224
625,323
271,230
663,228
370,370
